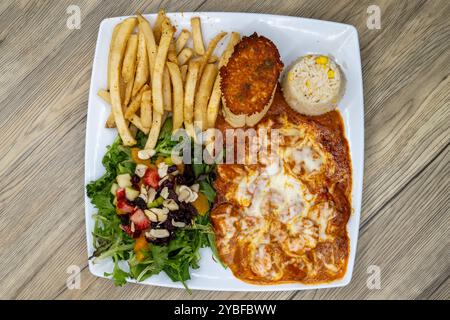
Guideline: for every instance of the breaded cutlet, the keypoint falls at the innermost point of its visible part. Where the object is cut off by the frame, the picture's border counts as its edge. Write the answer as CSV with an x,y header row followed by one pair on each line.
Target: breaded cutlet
x,y
249,79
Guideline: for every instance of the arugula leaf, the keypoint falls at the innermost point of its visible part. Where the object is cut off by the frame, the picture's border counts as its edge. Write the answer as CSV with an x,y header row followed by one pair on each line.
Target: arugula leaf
x,y
141,139
118,275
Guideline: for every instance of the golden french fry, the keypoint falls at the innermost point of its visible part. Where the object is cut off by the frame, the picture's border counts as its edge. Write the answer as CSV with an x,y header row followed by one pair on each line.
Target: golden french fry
x,y
213,59
104,94
154,131
113,37
135,103
178,95
185,55
183,70
157,28
128,92
189,96
182,40
117,54
160,62
172,53
202,96
216,95
129,61
142,72
106,97
146,109
211,47
129,67
136,120
167,90
214,104
152,49
197,36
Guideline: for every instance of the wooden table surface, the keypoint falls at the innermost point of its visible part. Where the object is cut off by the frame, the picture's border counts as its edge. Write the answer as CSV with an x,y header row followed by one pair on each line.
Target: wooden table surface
x,y
45,71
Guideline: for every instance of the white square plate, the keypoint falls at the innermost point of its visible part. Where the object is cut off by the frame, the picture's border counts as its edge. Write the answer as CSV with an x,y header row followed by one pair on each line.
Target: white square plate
x,y
294,37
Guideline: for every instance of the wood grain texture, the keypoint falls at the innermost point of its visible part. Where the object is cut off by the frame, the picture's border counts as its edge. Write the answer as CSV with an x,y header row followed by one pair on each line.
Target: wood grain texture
x,y
45,71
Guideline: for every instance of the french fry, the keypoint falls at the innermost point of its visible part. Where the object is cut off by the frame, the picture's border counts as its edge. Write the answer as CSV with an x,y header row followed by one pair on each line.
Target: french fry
x,y
154,130
185,55
183,70
129,67
213,59
117,54
135,103
142,71
211,47
136,120
129,60
160,62
202,95
146,109
167,90
216,95
157,28
172,53
113,37
182,40
105,96
197,36
189,96
152,49
178,95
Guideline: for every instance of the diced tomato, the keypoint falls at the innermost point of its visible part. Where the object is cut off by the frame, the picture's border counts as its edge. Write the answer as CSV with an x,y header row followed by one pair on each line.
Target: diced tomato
x,y
140,220
124,207
120,193
127,229
151,178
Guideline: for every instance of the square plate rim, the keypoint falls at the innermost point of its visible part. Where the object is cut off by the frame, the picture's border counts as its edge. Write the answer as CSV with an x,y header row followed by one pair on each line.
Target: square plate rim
x,y
356,194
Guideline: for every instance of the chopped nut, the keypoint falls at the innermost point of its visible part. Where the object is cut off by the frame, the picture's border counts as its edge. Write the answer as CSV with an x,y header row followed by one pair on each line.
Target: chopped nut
x,y
160,213
162,169
151,215
146,154
151,194
140,170
158,233
178,224
170,204
164,192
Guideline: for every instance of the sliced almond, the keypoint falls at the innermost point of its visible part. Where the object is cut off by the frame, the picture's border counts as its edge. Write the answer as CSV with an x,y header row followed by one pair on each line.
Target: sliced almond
x,y
151,194
151,215
178,224
146,154
170,204
158,233
164,192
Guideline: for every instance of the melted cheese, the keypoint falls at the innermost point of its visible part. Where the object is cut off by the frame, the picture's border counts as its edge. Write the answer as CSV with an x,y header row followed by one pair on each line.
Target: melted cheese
x,y
283,218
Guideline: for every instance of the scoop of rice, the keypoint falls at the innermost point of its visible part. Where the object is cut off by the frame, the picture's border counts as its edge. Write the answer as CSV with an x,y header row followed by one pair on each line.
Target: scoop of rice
x,y
313,85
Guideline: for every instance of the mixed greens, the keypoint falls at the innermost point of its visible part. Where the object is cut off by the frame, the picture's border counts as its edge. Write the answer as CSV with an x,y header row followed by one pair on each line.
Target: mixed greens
x,y
121,229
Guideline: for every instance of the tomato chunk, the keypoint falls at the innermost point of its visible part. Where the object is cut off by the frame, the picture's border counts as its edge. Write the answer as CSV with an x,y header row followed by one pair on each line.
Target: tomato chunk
x,y
151,178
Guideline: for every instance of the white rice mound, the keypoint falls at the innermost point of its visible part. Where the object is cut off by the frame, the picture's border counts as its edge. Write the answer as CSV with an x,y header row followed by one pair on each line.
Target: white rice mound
x,y
313,85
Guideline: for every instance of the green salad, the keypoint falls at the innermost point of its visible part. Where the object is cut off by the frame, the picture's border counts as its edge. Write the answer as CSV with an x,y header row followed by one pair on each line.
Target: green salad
x,y
151,213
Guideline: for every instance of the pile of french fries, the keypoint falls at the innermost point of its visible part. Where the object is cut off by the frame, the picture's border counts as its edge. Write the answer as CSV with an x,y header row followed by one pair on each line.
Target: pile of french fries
x,y
152,73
